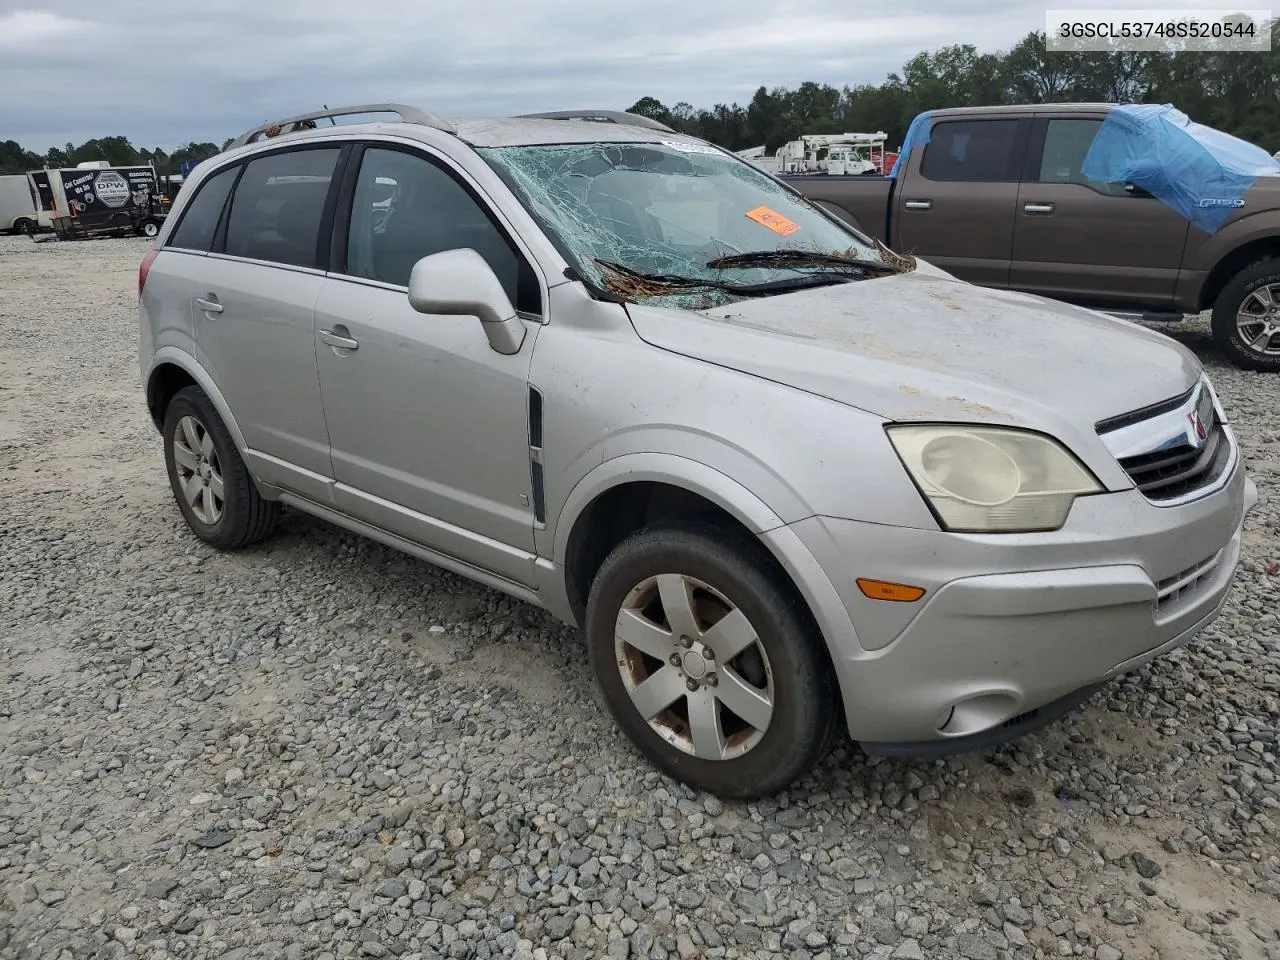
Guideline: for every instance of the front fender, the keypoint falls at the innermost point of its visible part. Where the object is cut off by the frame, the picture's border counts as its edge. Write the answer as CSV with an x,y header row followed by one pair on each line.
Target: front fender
x,y
1236,233
757,516
180,358
691,475
1205,255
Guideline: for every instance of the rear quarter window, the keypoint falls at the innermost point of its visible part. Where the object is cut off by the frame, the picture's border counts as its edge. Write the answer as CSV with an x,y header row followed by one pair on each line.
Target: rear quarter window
x,y
200,220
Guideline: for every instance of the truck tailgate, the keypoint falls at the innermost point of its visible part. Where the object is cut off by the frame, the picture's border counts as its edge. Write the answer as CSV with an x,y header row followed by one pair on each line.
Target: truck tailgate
x,y
861,201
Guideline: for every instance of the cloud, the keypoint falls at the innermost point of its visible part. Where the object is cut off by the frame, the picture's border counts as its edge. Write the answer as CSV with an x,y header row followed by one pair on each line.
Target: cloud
x,y
26,28
167,75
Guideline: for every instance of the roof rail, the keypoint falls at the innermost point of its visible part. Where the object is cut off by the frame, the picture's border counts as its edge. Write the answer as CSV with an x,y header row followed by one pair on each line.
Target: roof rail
x,y
407,114
607,116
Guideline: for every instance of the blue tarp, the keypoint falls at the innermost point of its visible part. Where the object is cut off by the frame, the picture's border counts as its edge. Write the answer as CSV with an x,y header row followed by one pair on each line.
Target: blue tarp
x,y
1200,172
918,135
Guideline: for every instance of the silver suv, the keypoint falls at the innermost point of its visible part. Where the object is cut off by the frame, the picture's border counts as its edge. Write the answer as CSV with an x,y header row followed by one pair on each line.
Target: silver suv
x,y
790,484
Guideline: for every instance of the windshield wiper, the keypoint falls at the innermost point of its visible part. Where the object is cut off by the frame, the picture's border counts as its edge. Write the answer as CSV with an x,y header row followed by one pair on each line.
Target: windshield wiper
x,y
636,284
801,282
632,283
800,258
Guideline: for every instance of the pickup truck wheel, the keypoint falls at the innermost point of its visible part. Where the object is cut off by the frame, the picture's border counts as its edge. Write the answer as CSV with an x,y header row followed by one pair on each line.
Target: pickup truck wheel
x,y
708,661
24,226
210,481
1246,317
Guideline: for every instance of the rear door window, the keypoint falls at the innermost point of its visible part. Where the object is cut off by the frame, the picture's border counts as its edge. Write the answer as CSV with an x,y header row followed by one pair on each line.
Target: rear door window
x,y
278,207
200,220
972,150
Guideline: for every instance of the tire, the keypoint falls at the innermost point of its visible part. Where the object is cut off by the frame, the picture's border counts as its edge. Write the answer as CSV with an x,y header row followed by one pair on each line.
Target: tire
x,y
1237,294
24,226
198,450
788,661
148,228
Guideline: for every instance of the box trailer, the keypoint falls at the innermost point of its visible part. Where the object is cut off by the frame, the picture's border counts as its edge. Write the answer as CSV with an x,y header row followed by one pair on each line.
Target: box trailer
x,y
17,205
95,199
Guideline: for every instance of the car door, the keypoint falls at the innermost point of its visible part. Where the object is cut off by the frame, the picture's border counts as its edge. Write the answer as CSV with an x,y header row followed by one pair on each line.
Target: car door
x,y
1094,243
428,424
955,205
253,301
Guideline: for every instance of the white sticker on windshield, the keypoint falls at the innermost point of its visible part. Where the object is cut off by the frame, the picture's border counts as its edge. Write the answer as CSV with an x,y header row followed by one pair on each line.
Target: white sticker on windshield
x,y
690,147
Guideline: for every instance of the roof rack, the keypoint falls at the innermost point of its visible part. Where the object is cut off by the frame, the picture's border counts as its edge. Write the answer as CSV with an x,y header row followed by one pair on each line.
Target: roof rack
x,y
407,114
607,116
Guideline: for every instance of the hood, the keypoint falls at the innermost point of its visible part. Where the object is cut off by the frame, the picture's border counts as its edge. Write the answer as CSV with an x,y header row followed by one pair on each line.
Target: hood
x,y
925,346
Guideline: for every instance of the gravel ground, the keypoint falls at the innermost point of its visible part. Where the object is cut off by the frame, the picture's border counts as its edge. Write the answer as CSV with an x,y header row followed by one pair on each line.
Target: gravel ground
x,y
323,748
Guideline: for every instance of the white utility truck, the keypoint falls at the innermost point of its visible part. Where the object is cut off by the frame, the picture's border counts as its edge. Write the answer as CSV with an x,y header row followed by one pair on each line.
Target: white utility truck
x,y
17,205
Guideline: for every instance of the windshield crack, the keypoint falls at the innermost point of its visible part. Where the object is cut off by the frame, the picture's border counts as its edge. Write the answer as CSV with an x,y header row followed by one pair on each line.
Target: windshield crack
x,y
664,222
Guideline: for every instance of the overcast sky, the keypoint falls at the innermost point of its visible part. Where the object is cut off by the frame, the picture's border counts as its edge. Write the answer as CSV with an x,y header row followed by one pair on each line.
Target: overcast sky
x,y
164,74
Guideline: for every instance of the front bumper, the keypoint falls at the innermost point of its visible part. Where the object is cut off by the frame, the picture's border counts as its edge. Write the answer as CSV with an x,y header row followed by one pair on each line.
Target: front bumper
x,y
1013,627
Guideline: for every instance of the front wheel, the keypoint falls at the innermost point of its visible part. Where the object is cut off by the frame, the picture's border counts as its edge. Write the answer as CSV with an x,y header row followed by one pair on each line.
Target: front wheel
x,y
709,661
1246,317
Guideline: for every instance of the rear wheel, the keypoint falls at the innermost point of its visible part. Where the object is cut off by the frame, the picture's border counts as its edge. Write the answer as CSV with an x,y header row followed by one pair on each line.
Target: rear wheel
x,y
148,228
210,481
1246,317
25,226
709,661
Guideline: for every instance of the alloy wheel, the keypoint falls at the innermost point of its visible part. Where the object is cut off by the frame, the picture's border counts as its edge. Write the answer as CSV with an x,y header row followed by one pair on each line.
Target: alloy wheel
x,y
694,667
199,470
1258,320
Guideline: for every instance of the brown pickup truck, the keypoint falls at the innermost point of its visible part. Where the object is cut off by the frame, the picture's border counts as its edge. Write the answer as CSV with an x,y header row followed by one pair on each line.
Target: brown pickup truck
x,y
997,197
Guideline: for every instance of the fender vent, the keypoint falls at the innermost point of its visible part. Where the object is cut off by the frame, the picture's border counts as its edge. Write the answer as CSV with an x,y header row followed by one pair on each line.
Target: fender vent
x,y
535,418
536,479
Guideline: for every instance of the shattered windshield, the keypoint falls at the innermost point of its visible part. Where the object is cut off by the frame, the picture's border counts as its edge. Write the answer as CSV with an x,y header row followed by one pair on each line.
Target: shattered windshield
x,y
681,223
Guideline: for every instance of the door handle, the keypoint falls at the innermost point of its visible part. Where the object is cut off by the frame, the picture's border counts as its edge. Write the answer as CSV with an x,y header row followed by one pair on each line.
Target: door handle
x,y
1038,207
334,339
919,204
210,305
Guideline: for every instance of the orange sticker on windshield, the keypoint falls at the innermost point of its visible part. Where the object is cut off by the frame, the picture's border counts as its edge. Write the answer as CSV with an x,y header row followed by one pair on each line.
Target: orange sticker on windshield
x,y
773,220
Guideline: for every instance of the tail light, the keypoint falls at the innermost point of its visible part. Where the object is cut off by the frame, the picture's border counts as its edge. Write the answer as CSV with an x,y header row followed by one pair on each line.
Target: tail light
x,y
145,268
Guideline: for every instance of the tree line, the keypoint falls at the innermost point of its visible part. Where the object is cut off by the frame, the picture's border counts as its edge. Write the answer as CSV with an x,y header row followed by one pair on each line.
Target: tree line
x,y
1235,92
117,151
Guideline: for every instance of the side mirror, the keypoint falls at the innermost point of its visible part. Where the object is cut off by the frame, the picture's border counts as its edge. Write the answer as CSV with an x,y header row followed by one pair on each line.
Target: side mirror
x,y
461,283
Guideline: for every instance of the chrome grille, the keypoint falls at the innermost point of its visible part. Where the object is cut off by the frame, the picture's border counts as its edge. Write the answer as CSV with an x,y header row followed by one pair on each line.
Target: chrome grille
x,y
1175,450
1168,474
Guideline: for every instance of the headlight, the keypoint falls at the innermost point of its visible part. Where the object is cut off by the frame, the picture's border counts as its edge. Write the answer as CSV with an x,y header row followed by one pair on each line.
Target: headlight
x,y
992,479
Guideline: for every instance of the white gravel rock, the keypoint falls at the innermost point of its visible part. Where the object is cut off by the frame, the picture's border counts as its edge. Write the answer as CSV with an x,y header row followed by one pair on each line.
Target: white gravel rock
x,y
322,748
